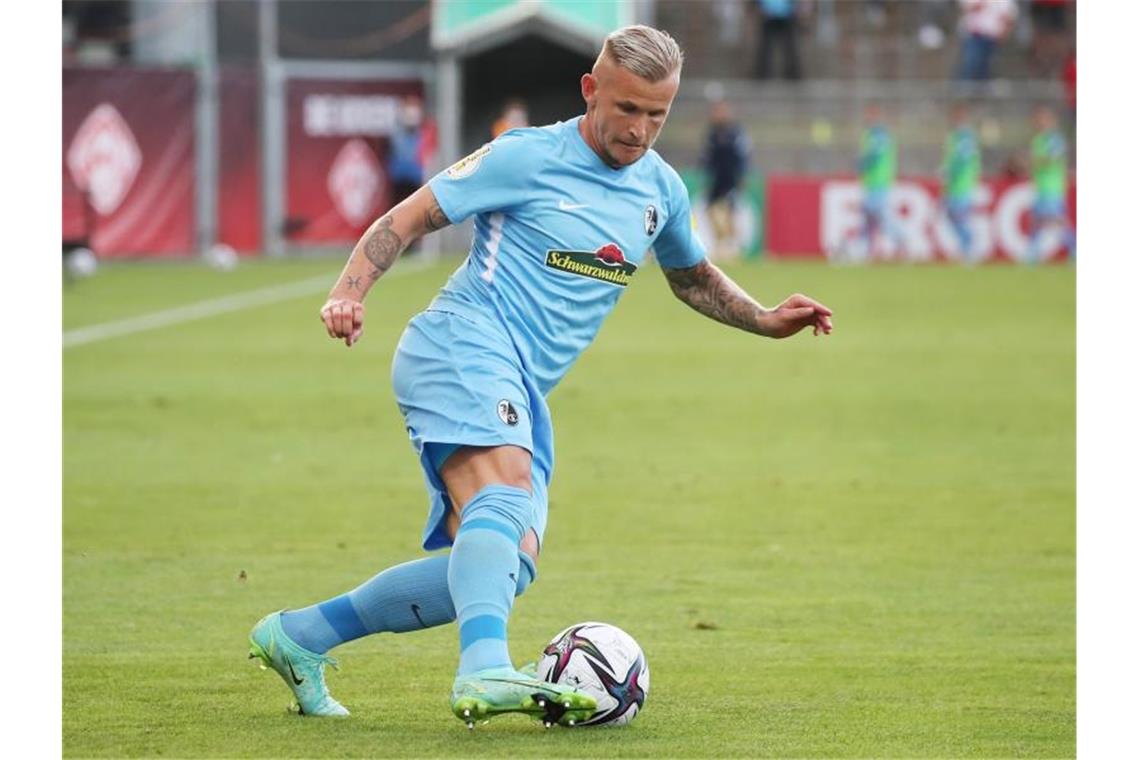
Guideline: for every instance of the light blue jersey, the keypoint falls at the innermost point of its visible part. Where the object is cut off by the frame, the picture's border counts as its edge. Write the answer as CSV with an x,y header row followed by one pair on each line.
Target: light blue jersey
x,y
559,236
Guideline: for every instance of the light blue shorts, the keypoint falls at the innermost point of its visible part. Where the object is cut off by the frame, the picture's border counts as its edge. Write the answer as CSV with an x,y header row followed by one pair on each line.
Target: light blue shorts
x,y
460,382
875,203
959,206
1048,206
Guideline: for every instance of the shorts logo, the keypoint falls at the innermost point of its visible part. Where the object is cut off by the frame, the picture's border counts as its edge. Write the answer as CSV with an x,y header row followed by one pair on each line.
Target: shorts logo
x,y
465,167
650,219
507,413
607,264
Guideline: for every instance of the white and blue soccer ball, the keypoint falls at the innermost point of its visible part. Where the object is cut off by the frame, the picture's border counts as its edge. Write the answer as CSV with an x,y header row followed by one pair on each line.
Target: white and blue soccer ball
x,y
603,661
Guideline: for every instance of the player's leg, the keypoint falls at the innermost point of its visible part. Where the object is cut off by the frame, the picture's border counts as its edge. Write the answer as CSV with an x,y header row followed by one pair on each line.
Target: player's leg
x,y
490,489
1036,229
406,597
872,221
1048,212
958,211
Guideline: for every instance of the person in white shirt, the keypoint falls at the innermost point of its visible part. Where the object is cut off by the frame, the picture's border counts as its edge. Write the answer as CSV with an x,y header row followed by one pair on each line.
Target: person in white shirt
x,y
983,25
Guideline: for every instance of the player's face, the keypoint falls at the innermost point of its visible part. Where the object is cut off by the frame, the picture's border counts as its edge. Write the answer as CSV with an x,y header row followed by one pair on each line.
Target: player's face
x,y
624,112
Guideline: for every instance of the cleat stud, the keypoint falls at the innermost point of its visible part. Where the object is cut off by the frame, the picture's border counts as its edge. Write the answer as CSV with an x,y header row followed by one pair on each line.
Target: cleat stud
x,y
566,704
542,703
546,724
470,725
466,713
571,722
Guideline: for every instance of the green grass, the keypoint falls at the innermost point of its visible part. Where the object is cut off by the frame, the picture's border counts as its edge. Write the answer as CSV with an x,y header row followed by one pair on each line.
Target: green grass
x,y
875,531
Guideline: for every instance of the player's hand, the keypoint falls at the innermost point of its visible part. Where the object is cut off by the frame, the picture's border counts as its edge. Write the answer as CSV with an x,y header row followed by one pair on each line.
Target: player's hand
x,y
796,313
343,318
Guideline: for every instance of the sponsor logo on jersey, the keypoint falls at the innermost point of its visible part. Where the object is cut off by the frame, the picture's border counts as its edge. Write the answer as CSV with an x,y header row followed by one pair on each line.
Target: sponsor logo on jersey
x,y
607,264
465,167
650,219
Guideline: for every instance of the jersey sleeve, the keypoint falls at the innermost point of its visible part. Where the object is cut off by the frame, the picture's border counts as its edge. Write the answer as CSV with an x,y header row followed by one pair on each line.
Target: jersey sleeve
x,y
678,247
496,177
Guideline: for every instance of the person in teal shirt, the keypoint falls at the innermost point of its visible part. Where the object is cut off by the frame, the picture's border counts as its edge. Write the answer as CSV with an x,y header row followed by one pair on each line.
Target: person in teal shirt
x,y
878,165
961,170
1048,153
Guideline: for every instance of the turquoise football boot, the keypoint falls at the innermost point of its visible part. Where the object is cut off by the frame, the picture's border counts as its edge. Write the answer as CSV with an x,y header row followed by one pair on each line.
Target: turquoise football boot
x,y
487,693
303,671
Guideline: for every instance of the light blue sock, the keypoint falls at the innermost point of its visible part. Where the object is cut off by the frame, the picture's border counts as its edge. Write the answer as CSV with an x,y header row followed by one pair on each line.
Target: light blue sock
x,y
407,597
483,572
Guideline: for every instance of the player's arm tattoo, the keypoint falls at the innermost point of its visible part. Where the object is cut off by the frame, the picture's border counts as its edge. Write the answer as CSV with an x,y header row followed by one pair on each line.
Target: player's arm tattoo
x,y
435,219
711,292
381,246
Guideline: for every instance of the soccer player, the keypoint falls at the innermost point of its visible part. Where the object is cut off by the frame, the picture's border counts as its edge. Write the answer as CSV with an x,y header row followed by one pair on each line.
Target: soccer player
x,y
564,216
1047,152
878,162
961,168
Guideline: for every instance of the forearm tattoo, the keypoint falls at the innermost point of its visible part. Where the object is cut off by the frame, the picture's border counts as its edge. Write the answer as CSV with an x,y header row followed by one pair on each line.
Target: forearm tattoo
x,y
381,246
353,283
710,291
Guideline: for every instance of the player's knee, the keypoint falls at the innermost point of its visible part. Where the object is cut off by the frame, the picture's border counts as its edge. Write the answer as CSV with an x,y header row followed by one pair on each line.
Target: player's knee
x,y
507,505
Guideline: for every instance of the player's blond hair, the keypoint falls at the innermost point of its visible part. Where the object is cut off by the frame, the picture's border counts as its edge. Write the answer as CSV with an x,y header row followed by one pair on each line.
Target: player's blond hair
x,y
650,53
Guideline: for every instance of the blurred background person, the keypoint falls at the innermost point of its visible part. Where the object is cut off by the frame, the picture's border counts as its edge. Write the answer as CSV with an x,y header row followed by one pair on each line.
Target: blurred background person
x,y
961,170
725,162
1048,156
777,28
983,25
411,152
412,149
513,116
877,167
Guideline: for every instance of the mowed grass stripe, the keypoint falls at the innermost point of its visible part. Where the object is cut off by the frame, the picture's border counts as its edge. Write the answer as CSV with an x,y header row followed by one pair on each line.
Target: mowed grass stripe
x,y
211,308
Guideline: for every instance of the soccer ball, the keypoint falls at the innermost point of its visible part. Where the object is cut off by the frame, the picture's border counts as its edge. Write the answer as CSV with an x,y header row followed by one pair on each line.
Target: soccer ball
x,y
603,661
80,263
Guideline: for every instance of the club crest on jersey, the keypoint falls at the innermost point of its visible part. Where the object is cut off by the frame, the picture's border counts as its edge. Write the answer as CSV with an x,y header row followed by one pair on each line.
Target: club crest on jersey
x,y
607,264
507,412
465,167
650,219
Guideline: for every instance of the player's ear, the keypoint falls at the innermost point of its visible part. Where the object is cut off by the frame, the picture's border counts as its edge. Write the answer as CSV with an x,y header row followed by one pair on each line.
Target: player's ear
x,y
589,88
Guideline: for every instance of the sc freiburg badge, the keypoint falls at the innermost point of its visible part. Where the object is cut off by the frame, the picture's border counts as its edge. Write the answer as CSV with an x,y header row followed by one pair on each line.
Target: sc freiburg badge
x,y
650,220
507,412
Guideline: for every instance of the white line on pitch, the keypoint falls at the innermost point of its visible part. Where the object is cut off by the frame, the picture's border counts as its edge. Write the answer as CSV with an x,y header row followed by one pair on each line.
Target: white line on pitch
x,y
215,306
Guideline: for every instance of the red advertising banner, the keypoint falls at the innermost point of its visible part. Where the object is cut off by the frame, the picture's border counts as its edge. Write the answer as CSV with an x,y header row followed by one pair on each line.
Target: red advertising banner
x,y
239,159
818,216
337,183
128,160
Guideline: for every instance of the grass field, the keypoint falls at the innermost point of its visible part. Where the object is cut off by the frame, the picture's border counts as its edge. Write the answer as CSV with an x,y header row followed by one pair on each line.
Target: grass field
x,y
845,547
